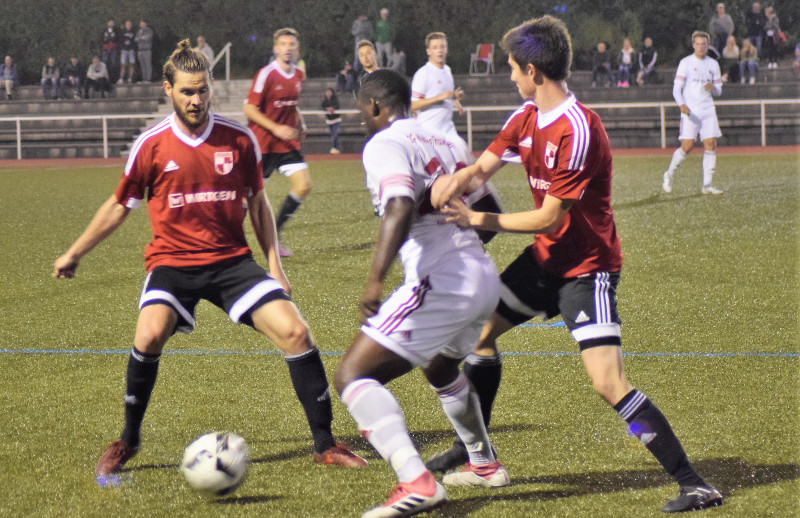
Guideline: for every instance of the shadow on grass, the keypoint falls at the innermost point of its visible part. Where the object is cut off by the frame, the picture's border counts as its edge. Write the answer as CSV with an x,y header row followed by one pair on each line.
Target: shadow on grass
x,y
728,475
654,199
245,500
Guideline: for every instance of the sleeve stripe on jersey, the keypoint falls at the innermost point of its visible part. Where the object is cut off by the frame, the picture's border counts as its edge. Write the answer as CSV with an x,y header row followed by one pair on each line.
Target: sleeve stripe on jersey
x,y
244,129
158,128
417,95
580,138
394,181
517,112
261,78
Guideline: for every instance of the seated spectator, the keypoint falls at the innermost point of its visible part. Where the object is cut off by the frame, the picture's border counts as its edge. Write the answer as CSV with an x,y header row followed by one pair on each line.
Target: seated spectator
x,y
647,64
346,78
601,64
796,62
749,61
398,62
730,60
330,103
626,63
51,78
8,76
205,49
97,78
72,80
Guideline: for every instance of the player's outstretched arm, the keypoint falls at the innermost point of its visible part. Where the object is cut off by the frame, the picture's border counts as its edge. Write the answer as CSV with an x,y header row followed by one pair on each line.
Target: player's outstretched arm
x,y
395,225
108,217
545,220
449,186
281,131
263,222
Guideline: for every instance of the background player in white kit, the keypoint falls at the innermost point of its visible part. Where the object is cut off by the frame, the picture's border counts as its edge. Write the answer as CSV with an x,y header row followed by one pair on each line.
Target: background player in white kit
x,y
433,98
697,80
433,319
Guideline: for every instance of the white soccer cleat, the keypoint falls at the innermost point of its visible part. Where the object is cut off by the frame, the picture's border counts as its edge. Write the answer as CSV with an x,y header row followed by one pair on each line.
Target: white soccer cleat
x,y
710,189
667,184
489,475
408,499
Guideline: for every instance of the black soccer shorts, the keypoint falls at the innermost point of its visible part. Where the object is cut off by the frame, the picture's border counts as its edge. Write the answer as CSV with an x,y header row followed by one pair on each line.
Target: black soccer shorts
x,y
285,163
587,304
238,286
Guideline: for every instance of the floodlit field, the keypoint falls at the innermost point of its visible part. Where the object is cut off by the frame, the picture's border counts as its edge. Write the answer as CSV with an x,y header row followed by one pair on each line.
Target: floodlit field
x,y
709,299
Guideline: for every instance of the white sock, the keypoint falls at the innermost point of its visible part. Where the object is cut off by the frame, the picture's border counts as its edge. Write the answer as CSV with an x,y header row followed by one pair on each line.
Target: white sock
x,y
460,404
381,421
677,159
709,165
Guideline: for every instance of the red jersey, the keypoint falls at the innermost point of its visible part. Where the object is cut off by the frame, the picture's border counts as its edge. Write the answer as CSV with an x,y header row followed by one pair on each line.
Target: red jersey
x,y
275,93
566,154
194,189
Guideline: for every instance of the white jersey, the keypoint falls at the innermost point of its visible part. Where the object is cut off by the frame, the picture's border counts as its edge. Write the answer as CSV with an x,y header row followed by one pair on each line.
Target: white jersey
x,y
403,160
430,81
689,86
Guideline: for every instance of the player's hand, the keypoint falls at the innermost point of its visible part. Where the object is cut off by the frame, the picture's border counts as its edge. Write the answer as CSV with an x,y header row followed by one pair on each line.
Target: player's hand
x,y
685,109
708,86
285,132
65,267
370,300
457,212
458,107
282,280
458,94
444,188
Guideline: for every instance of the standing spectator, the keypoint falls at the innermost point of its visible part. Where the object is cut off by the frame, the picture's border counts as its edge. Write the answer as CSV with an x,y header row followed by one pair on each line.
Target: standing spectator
x,y
772,39
74,76
730,61
647,63
748,62
368,60
51,79
601,64
330,103
272,114
720,27
346,78
384,35
697,82
626,62
8,76
755,21
144,44
110,44
205,49
97,78
127,52
361,30
398,61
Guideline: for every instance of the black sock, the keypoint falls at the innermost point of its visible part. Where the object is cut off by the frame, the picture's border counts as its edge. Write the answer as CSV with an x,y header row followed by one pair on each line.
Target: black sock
x,y
489,203
140,380
649,425
289,207
484,374
311,387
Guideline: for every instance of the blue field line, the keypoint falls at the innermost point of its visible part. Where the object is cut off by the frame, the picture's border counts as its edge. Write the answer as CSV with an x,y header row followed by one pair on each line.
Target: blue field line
x,y
551,324
336,353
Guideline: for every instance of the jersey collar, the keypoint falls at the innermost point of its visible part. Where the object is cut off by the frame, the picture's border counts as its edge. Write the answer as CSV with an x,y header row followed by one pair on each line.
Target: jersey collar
x,y
545,119
186,139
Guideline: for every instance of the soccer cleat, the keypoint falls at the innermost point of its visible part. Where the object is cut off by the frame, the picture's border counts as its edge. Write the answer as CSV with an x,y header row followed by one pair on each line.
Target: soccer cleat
x,y
114,458
449,459
283,251
410,498
488,475
667,184
710,189
340,455
694,498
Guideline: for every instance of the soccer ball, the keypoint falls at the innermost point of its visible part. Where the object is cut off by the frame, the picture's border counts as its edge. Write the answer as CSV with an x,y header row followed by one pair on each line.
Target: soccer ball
x,y
215,463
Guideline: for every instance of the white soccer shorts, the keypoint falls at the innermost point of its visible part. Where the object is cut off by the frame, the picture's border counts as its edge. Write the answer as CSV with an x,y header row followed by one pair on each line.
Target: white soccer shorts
x,y
706,126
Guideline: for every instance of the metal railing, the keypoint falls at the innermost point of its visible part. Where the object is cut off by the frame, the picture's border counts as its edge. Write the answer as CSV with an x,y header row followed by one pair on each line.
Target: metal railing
x,y
226,51
661,106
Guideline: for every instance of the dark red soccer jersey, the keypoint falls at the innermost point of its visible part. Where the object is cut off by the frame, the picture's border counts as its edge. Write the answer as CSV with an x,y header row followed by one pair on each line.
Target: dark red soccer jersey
x,y
566,154
275,93
194,189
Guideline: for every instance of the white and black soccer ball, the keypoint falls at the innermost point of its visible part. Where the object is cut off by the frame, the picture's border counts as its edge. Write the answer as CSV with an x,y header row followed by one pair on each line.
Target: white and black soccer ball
x,y
215,463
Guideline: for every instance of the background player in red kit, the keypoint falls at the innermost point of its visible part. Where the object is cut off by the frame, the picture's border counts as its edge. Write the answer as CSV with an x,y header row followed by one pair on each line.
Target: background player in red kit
x,y
271,109
194,169
573,266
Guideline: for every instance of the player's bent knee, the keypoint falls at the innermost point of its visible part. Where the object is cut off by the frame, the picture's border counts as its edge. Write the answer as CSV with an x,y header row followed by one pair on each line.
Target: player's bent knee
x,y
294,338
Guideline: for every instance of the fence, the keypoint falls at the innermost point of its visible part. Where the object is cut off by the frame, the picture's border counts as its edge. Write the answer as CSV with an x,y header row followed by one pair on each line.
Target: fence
x,y
661,106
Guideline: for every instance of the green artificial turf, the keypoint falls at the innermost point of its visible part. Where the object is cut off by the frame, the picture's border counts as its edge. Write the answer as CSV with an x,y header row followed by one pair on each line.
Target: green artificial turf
x,y
709,300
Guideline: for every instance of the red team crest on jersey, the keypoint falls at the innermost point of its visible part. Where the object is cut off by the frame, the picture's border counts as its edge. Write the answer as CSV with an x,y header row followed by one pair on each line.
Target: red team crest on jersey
x,y
550,155
223,162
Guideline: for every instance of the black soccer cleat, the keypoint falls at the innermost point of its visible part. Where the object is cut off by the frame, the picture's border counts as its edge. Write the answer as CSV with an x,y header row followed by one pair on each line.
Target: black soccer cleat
x,y
449,459
694,498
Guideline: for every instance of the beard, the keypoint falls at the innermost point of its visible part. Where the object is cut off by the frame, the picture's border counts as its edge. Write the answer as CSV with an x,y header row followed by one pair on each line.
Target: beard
x,y
192,118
